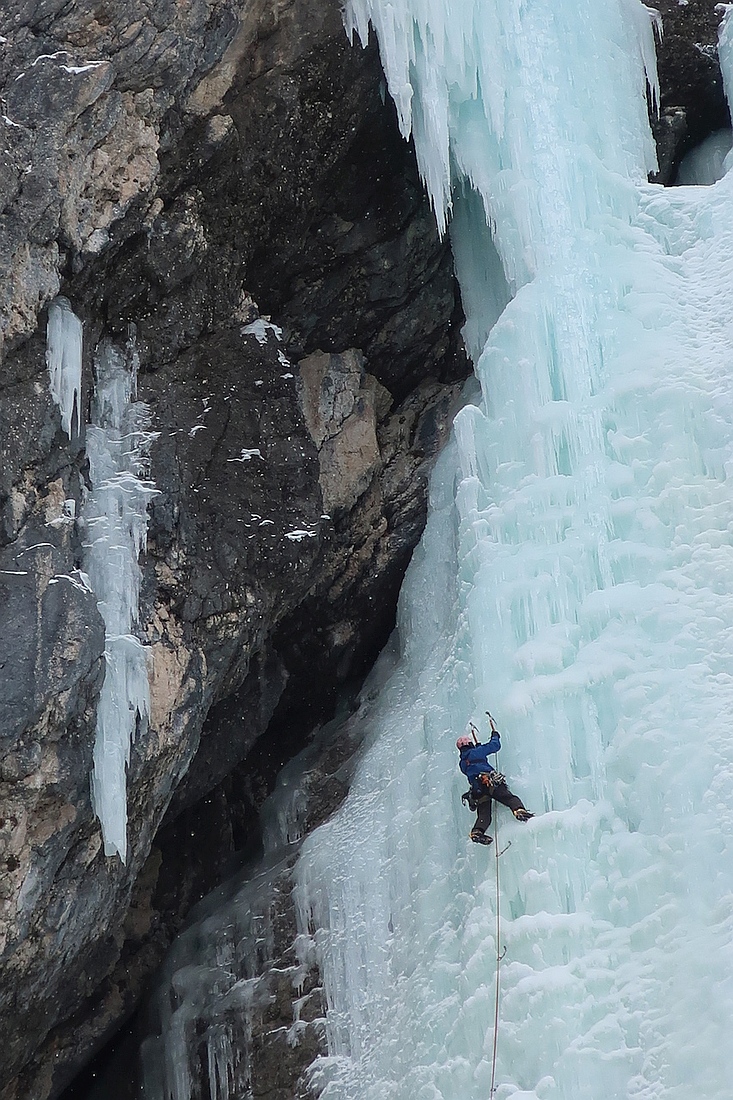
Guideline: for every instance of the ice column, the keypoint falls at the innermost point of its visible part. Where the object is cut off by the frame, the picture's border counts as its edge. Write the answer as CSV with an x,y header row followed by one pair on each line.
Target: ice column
x,y
63,357
115,514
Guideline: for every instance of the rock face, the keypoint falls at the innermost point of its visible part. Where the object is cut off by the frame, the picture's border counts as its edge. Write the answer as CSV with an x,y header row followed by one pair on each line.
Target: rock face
x,y
692,101
173,170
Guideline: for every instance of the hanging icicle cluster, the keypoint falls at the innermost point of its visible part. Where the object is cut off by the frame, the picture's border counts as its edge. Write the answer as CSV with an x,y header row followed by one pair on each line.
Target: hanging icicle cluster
x,y
114,517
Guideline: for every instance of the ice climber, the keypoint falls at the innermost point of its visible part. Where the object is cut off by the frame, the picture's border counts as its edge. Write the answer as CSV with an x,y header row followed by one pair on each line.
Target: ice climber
x,y
486,782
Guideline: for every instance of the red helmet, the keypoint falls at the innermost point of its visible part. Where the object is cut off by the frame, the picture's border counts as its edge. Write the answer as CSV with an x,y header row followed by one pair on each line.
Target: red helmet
x,y
464,742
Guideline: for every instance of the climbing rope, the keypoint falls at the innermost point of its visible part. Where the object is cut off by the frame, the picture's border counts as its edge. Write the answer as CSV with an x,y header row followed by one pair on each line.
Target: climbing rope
x,y
499,957
499,952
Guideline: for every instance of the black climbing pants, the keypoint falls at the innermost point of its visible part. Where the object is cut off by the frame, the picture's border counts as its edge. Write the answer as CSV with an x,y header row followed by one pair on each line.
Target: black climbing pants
x,y
502,794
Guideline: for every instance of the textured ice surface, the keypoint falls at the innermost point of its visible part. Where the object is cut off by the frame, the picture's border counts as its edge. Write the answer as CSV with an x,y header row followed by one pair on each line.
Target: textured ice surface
x,y
207,991
574,578
63,358
224,971
116,521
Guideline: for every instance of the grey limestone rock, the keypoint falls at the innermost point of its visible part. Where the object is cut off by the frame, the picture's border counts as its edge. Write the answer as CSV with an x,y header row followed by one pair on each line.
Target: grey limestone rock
x,y
173,169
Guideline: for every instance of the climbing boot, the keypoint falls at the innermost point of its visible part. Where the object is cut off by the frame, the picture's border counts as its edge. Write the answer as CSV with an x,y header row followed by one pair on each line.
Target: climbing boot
x,y
522,815
479,838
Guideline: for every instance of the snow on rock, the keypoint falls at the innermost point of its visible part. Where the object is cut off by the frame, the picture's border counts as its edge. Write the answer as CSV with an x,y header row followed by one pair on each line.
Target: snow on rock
x,y
298,534
261,329
85,68
247,454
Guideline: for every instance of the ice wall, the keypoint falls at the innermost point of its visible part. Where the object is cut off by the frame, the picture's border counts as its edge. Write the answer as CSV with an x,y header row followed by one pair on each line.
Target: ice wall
x,y
115,515
63,358
574,578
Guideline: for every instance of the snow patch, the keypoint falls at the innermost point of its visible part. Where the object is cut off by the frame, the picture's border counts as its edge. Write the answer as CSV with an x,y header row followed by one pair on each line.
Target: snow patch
x,y
299,534
247,454
85,68
67,517
77,578
261,329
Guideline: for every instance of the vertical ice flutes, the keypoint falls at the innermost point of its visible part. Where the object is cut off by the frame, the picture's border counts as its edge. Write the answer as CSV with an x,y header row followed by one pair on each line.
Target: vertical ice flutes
x,y
575,578
115,516
116,519
63,358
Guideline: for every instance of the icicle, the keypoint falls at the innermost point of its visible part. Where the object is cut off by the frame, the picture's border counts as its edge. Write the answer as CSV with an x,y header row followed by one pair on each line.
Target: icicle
x,y
63,357
115,515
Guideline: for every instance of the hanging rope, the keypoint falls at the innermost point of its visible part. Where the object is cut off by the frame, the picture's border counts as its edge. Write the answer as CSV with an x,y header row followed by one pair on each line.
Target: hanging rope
x,y
499,957
499,952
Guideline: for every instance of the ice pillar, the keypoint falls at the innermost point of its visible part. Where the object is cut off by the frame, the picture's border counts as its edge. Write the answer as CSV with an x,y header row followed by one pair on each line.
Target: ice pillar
x,y
63,357
116,520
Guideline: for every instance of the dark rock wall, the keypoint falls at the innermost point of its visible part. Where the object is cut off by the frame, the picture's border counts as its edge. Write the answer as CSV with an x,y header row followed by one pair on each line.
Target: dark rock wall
x,y
172,173
692,101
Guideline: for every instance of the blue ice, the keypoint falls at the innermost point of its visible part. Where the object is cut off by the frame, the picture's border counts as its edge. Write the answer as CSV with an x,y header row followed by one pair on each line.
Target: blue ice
x,y
575,578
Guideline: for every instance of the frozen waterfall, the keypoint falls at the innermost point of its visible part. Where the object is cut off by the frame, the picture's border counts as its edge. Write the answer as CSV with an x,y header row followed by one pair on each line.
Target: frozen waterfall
x,y
575,578
115,515
115,519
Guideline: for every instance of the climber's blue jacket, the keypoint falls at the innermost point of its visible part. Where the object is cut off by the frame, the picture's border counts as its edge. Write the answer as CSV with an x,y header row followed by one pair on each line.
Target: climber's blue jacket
x,y
474,761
